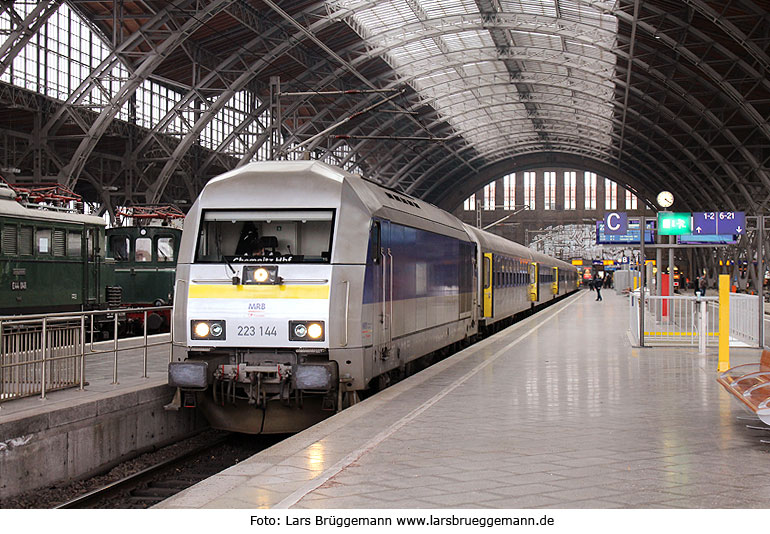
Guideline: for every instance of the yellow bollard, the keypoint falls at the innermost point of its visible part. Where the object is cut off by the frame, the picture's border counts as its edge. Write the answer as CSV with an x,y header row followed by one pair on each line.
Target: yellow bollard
x,y
724,323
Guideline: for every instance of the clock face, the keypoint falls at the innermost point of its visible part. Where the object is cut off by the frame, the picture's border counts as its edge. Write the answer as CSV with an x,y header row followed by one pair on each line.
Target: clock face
x,y
665,199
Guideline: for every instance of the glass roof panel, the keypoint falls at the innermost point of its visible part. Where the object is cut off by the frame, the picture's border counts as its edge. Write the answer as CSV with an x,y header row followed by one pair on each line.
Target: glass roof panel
x,y
546,66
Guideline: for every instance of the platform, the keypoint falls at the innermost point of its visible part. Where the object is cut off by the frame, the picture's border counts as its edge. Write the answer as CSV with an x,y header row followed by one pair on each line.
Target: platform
x,y
72,433
558,411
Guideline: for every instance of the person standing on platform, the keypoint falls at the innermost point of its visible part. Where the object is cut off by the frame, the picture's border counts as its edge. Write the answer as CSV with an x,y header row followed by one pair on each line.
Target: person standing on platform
x,y
702,284
598,283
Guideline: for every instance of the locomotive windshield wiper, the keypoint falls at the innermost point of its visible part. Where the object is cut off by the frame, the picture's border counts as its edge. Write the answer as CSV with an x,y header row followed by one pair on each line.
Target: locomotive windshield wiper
x,y
218,241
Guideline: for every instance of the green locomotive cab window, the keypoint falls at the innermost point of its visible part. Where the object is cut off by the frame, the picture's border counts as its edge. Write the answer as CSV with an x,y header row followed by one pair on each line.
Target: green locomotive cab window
x,y
25,241
74,244
43,240
165,249
119,247
143,249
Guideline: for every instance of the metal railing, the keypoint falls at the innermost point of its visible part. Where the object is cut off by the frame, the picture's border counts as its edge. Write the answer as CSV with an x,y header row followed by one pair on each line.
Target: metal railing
x,y
681,320
43,353
744,310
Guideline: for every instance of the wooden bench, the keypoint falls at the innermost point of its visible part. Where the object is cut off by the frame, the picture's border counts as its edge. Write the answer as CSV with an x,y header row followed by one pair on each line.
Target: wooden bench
x,y
750,384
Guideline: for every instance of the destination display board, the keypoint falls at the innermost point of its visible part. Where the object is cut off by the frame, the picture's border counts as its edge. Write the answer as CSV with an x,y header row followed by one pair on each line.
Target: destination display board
x,y
629,238
692,239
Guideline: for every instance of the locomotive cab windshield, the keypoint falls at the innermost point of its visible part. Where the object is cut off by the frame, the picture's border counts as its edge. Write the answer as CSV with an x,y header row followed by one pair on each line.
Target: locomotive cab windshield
x,y
269,236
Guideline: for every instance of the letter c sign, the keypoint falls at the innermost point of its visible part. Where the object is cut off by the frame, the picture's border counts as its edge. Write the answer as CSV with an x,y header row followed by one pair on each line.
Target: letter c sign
x,y
615,223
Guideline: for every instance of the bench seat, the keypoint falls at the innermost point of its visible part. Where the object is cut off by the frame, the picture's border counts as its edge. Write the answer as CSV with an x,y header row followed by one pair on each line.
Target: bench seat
x,y
750,384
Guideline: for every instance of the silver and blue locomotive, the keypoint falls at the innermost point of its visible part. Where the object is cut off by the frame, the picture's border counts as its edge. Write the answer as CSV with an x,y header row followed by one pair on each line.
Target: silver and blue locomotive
x,y
299,285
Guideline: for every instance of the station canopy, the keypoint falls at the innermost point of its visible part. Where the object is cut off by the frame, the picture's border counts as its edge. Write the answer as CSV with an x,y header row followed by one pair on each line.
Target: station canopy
x,y
431,97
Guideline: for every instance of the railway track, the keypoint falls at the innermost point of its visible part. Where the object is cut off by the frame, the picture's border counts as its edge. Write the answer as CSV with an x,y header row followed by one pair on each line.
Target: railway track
x,y
153,484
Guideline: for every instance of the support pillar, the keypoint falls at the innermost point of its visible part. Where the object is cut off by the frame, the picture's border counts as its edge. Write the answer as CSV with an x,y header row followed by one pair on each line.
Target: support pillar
x,y
724,323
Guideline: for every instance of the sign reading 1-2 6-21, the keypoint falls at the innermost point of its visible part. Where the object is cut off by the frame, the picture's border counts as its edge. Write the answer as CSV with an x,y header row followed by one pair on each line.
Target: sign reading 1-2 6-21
x,y
718,223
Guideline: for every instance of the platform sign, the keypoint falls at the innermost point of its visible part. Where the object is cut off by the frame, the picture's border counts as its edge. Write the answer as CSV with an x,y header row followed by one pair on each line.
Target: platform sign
x,y
719,223
631,237
731,222
615,223
671,223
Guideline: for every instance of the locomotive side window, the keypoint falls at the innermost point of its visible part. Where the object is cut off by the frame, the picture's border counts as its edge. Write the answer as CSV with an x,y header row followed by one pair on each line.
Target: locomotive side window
x,y
285,236
119,247
43,240
165,249
74,244
143,249
375,242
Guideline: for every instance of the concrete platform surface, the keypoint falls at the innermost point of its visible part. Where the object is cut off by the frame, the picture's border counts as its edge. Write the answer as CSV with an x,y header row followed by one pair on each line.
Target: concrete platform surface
x,y
558,411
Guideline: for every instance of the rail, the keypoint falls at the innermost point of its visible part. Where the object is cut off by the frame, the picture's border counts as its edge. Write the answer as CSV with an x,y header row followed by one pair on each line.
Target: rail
x,y
47,352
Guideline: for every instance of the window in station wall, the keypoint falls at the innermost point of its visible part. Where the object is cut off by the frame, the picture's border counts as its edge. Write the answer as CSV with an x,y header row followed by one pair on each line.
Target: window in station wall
x,y
570,190
590,190
509,191
529,189
470,203
631,201
610,195
489,196
549,190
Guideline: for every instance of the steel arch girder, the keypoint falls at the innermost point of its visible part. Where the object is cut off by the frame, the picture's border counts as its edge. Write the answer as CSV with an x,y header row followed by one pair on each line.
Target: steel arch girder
x,y
142,72
264,61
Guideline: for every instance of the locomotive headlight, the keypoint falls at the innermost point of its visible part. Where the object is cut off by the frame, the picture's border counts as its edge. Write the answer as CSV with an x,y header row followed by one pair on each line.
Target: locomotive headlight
x,y
214,330
315,330
300,330
202,330
306,331
261,274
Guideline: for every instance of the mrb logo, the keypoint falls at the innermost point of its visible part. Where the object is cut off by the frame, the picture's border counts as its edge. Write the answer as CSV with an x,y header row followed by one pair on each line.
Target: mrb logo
x,y
256,309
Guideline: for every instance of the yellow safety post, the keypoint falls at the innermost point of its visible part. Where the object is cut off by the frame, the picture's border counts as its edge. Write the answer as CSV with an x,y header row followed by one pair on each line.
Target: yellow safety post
x,y
724,323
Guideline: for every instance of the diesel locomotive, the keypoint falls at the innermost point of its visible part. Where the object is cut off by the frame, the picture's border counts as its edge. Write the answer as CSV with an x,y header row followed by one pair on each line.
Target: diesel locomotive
x,y
299,285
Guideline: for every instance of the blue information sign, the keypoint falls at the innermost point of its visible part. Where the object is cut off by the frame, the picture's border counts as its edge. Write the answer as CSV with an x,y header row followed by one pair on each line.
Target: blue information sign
x,y
629,238
718,223
616,223
731,222
704,223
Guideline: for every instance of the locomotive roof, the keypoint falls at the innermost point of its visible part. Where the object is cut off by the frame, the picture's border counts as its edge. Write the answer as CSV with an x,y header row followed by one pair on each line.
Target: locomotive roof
x,y
9,207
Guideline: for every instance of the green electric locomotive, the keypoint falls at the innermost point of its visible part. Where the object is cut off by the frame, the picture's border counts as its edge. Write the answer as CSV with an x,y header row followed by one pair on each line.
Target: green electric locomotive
x,y
52,259
144,256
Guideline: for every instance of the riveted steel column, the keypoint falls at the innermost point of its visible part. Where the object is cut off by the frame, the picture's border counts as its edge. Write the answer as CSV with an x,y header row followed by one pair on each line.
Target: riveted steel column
x,y
642,276
761,278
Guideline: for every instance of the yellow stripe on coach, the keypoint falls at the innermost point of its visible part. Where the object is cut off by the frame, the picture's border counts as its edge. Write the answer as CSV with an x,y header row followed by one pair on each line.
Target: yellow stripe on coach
x,y
205,291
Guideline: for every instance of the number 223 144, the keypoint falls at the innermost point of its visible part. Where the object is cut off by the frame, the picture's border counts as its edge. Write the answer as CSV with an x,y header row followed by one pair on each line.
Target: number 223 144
x,y
257,331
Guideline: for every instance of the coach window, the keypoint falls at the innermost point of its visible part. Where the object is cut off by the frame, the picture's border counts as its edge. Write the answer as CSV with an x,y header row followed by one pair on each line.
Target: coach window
x,y
165,249
44,241
143,249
